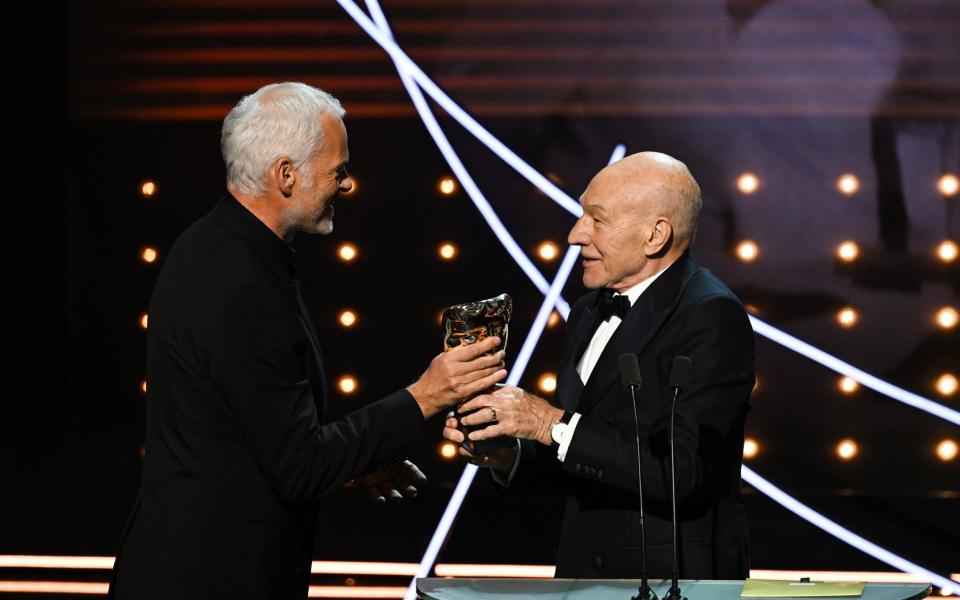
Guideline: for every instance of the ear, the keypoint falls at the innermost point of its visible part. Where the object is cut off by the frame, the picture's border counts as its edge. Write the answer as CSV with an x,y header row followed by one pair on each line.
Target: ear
x,y
659,237
283,176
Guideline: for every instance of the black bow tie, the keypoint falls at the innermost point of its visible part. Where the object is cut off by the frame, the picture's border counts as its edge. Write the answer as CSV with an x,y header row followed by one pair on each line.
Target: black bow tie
x,y
610,305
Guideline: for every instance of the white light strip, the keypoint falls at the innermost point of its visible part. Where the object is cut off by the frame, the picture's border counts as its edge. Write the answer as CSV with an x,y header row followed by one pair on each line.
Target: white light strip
x,y
443,528
383,37
540,322
467,570
355,591
19,561
841,532
835,364
469,186
54,587
333,567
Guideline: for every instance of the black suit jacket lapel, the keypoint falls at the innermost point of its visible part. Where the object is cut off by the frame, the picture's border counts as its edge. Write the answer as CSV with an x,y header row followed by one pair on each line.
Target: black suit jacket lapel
x,y
569,386
643,321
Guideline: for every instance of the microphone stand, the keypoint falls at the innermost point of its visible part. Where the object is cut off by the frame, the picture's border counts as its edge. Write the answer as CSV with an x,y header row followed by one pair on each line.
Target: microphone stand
x,y
644,593
674,593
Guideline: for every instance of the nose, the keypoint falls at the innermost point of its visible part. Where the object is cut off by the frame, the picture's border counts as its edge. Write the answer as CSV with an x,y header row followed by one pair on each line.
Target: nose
x,y
578,235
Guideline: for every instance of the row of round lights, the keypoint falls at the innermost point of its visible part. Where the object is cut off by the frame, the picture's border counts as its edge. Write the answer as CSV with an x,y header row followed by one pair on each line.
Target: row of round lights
x,y
348,384
848,184
848,449
547,251
848,251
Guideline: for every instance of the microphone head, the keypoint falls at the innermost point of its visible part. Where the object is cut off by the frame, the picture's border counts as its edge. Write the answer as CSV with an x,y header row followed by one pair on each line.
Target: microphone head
x,y
629,371
680,373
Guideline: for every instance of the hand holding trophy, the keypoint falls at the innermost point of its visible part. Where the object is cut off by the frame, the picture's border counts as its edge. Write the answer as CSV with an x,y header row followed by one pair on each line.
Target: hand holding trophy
x,y
472,322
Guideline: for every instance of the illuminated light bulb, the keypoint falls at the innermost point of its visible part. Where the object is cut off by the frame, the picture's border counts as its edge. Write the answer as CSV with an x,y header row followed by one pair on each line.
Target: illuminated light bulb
x,y
947,384
848,385
948,251
848,184
347,384
847,449
553,319
848,251
350,581
347,318
447,251
548,251
142,452
847,317
750,448
448,450
752,309
143,386
948,185
947,450
347,252
148,188
447,186
947,317
747,251
547,383
748,183
148,254
144,319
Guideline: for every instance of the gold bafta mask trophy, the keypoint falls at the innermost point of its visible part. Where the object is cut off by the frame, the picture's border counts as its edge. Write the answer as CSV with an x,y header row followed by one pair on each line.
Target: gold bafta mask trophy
x,y
470,323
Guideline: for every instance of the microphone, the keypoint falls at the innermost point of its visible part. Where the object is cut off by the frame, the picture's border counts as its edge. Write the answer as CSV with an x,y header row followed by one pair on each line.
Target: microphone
x,y
630,377
679,376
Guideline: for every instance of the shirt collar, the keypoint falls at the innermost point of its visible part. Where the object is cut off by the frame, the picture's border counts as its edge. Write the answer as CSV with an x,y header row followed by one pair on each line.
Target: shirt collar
x,y
634,292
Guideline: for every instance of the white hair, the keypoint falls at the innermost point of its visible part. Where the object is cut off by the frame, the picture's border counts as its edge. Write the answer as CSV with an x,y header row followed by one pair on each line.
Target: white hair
x,y
280,119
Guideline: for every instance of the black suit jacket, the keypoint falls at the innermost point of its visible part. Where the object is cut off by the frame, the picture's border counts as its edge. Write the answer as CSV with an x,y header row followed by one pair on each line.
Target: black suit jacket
x,y
237,451
687,311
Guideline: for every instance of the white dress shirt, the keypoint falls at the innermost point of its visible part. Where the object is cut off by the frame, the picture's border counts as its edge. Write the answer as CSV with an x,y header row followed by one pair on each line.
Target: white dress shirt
x,y
590,356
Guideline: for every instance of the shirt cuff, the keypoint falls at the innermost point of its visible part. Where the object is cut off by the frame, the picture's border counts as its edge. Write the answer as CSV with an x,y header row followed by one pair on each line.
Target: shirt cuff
x,y
565,433
503,478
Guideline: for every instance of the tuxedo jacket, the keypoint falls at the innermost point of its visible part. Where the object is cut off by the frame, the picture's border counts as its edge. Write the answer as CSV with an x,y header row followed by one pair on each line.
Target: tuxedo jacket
x,y
237,448
688,312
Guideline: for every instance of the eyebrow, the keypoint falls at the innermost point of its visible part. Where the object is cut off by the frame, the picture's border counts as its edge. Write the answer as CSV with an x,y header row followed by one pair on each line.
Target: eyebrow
x,y
596,208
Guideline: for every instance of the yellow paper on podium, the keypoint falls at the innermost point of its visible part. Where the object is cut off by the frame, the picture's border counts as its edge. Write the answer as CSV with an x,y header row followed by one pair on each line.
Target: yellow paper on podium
x,y
772,588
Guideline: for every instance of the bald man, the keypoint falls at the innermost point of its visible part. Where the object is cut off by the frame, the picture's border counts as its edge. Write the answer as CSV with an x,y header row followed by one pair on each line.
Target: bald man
x,y
649,296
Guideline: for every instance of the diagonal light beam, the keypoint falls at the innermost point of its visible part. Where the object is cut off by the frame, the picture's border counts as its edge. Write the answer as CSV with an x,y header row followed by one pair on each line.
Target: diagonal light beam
x,y
384,38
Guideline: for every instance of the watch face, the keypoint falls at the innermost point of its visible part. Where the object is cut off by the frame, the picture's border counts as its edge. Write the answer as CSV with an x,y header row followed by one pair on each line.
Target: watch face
x,y
555,432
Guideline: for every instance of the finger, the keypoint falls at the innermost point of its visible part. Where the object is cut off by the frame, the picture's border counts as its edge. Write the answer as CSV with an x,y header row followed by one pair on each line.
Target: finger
x,y
472,376
483,416
466,453
452,423
376,495
454,435
476,403
394,496
486,361
482,384
415,475
410,491
472,351
487,433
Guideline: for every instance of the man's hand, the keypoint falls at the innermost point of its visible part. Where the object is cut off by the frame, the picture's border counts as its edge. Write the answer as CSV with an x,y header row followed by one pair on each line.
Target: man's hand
x,y
501,459
509,411
391,482
457,375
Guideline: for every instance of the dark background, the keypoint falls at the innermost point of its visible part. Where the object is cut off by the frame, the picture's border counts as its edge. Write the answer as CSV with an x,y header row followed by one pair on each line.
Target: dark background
x,y
105,95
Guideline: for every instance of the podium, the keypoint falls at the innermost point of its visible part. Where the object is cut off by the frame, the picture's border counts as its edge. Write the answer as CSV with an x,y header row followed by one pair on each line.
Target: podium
x,y
433,588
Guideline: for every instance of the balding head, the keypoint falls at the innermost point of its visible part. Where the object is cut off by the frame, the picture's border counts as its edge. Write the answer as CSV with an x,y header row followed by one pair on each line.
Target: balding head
x,y
658,184
640,214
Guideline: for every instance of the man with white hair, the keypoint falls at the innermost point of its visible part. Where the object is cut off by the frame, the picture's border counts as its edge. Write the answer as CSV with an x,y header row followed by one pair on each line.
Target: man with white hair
x,y
650,298
238,450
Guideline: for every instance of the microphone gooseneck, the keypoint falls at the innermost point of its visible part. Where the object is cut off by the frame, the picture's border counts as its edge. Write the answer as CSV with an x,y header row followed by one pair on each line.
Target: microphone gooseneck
x,y
679,376
630,377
